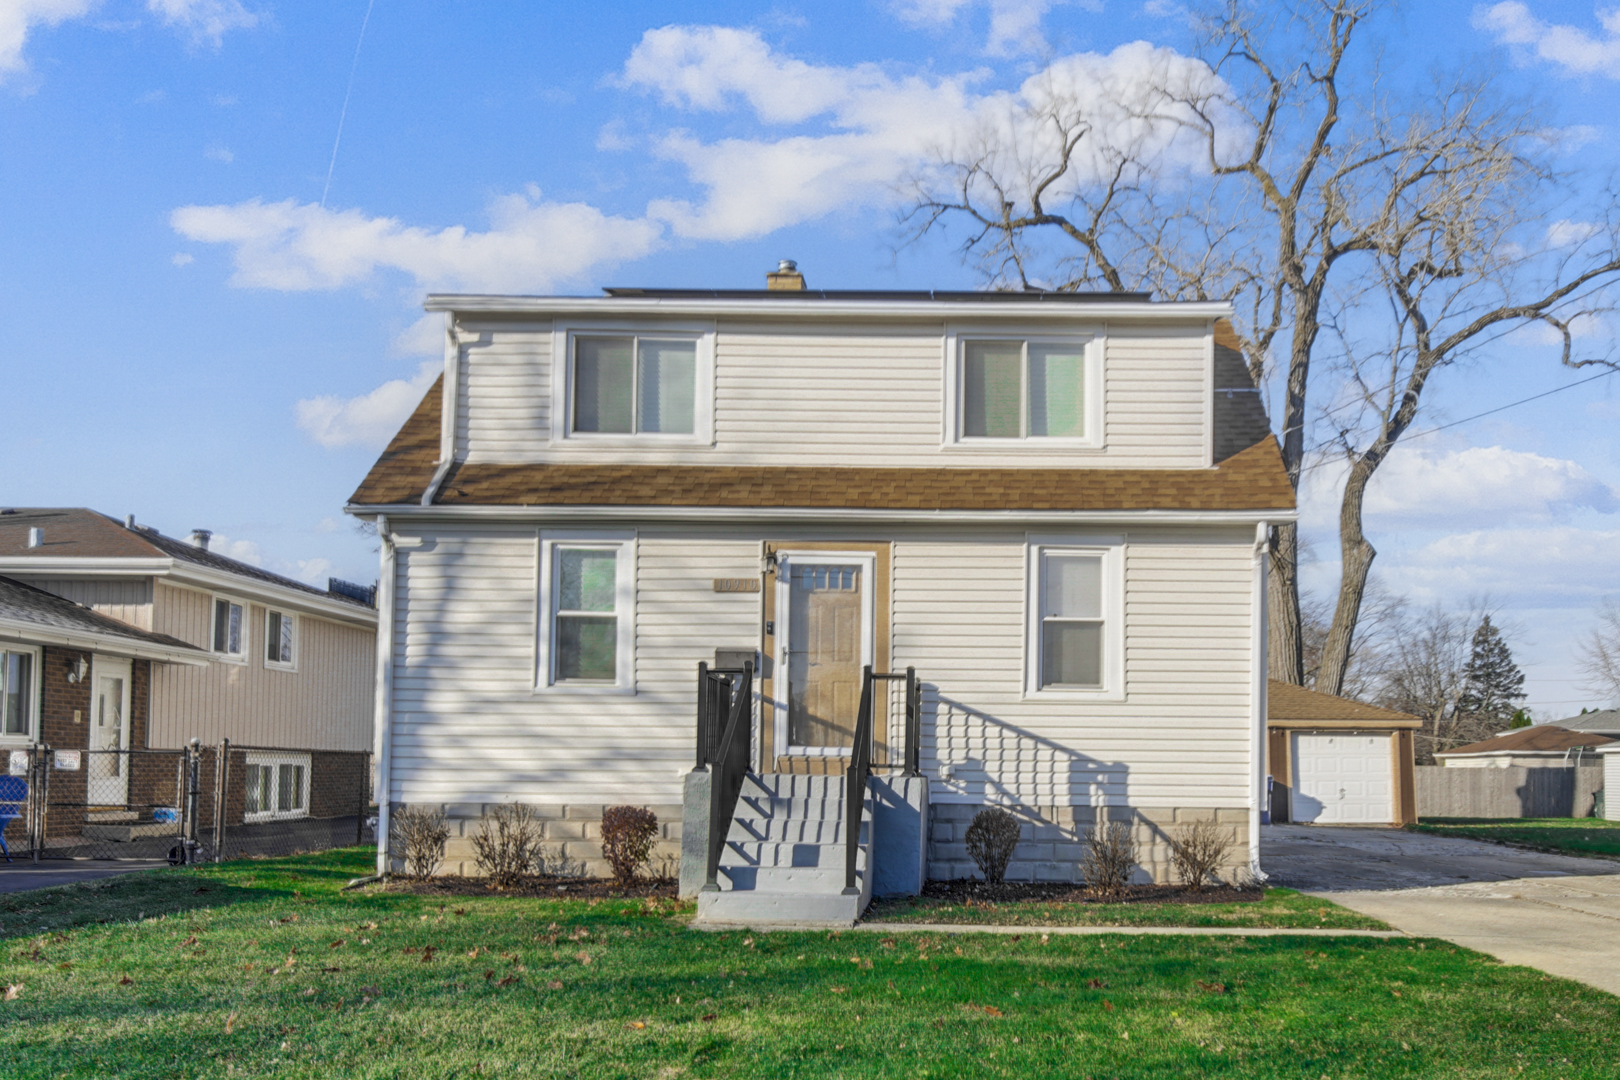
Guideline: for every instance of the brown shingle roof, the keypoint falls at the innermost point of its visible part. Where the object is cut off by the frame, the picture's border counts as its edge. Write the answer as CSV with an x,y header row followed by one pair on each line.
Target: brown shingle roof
x,y
1547,738
1252,479
1285,701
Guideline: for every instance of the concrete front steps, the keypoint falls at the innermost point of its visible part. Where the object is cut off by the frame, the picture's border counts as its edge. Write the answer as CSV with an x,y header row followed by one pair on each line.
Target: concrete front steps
x,y
784,857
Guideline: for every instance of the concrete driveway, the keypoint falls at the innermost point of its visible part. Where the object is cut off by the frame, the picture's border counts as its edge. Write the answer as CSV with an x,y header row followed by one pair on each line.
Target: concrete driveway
x,y
1558,913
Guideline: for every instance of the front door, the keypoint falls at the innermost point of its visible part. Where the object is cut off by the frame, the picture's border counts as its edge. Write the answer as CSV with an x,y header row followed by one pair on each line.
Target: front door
x,y
107,772
824,604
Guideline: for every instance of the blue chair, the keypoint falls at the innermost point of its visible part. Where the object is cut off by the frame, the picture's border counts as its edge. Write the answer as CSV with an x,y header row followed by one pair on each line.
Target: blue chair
x,y
13,795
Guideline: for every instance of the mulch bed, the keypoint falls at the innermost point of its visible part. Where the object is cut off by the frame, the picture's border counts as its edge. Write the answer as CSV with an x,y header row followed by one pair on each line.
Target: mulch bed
x,y
551,888
973,892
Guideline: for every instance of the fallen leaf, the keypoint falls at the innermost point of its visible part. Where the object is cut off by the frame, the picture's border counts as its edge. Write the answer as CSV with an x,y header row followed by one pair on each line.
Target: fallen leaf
x,y
887,943
508,981
126,981
1397,993
959,950
488,975
66,965
192,940
584,957
1211,988
710,1017
338,944
198,892
461,911
636,1025
332,970
230,1023
427,955
838,989
1096,984
310,992
1108,1006
472,954
554,984
1046,939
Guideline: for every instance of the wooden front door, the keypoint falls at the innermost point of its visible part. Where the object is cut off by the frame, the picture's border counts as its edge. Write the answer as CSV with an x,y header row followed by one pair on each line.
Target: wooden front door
x,y
824,637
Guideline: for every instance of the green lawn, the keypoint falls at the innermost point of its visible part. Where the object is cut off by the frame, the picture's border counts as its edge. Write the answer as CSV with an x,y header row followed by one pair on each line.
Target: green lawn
x,y
1281,909
1571,836
273,972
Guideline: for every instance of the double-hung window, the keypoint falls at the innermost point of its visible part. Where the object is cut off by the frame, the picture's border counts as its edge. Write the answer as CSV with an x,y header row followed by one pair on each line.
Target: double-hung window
x,y
634,385
279,628
17,704
230,628
277,787
587,628
1076,639
1028,390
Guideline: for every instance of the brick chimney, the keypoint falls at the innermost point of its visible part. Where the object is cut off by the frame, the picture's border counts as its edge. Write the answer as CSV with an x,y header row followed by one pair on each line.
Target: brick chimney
x,y
785,278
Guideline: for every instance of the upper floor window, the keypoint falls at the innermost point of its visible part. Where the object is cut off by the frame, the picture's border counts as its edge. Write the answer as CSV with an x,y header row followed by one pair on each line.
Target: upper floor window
x,y
230,628
1032,391
17,692
634,385
279,627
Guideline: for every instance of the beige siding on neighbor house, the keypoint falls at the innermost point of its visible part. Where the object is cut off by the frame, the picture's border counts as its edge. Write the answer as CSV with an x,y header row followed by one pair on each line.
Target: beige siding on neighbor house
x,y
851,395
325,704
468,726
129,600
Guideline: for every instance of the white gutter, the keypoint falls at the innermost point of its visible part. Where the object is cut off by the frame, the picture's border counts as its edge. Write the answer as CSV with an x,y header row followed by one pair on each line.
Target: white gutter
x,y
812,515
1091,311
30,633
1257,694
383,713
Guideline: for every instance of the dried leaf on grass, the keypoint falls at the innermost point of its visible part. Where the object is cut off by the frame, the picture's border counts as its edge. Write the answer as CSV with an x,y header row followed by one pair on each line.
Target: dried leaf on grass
x,y
1211,988
14,991
636,1025
230,1023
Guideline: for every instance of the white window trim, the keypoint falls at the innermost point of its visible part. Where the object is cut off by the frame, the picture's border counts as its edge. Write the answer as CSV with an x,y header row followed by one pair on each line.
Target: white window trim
x,y
297,645
562,383
34,694
786,557
1112,551
624,605
259,758
247,628
1094,341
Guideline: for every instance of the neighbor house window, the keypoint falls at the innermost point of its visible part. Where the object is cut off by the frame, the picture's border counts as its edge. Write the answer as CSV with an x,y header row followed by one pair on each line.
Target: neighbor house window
x,y
230,631
1024,389
278,638
586,594
1076,640
17,693
632,385
277,787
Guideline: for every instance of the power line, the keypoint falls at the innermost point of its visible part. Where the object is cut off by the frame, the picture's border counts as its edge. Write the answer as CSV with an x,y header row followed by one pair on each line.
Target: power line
x,y
344,112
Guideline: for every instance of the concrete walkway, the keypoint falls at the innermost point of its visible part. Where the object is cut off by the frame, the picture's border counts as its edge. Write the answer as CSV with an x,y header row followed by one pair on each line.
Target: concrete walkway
x,y
17,876
1558,913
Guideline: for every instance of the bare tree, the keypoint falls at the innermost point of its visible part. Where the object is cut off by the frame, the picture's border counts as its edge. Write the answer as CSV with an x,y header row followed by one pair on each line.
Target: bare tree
x,y
1373,656
1598,653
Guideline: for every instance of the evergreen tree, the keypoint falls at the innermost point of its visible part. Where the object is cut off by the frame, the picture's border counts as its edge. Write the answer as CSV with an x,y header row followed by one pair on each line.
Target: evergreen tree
x,y
1493,682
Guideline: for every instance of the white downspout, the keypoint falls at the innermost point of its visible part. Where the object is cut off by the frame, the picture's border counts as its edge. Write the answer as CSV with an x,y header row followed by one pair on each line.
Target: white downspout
x,y
383,716
1257,695
449,403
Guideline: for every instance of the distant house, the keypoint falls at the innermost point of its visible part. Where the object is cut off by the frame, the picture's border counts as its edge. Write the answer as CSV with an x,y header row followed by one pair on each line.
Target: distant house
x,y
1600,722
116,639
1538,746
1334,761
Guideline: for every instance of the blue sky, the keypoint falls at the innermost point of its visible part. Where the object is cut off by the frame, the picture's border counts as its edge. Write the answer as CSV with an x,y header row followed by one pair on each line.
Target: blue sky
x,y
196,338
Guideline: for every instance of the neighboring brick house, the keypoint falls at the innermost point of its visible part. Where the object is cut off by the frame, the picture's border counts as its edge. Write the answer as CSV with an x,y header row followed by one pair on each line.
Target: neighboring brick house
x,y
1054,507
192,645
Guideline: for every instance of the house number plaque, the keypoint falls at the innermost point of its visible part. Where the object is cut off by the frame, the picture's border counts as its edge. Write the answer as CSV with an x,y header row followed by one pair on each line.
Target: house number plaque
x,y
736,584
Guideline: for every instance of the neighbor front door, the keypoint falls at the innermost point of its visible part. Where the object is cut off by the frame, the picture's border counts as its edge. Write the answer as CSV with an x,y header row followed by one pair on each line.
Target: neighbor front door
x,y
824,605
107,770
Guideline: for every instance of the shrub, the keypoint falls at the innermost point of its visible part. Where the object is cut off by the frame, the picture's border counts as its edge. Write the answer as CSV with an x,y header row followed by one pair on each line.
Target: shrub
x,y
420,833
1197,851
509,850
628,833
991,840
1109,858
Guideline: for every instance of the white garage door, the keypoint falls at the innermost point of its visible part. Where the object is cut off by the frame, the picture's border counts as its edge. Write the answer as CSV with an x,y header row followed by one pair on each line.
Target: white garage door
x,y
1342,778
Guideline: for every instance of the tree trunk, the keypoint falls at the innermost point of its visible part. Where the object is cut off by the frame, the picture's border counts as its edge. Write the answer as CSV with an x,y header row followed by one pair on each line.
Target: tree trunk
x,y
1285,646
1357,556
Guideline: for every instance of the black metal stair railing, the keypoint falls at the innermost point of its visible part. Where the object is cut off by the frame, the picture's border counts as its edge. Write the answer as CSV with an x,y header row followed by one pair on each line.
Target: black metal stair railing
x,y
861,763
725,730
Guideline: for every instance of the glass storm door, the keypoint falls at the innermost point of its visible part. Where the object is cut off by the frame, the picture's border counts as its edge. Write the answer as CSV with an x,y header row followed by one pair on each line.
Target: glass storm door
x,y
107,772
827,604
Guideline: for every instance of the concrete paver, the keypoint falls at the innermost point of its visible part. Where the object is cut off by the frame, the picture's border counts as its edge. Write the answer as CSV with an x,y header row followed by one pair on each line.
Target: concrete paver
x,y
1558,913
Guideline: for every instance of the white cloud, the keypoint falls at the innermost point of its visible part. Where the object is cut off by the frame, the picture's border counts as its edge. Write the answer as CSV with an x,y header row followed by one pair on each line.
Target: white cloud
x,y
18,17
206,22
1575,50
180,258
1567,233
370,419
1558,566
1015,25
424,337
219,154
247,551
313,571
532,244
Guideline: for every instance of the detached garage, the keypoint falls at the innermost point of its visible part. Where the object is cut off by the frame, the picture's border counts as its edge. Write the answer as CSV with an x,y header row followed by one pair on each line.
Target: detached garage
x,y
1334,761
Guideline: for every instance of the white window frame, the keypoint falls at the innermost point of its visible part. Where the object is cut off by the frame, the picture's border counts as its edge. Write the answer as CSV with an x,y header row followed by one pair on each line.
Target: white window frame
x,y
1112,551
275,761
281,665
1093,344
247,628
34,693
624,609
564,336
781,690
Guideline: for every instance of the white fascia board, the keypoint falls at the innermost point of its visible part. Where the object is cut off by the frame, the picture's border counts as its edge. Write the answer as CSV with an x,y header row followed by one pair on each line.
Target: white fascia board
x,y
811,516
115,644
552,306
69,566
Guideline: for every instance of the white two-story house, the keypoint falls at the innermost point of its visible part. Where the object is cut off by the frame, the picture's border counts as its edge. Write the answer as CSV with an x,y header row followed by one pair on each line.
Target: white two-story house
x,y
1051,507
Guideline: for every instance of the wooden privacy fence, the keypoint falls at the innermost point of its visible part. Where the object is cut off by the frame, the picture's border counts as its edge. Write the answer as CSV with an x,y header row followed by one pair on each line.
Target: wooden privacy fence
x,y
1507,793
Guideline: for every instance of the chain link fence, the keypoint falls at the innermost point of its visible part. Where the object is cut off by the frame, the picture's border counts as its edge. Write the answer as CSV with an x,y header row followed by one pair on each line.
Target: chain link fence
x,y
197,804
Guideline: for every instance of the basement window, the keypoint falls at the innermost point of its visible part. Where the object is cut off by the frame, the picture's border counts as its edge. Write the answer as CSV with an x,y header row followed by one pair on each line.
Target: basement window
x,y
277,787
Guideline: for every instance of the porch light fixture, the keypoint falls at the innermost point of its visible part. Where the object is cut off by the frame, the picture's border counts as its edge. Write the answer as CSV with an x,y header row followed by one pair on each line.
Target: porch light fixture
x,y
77,669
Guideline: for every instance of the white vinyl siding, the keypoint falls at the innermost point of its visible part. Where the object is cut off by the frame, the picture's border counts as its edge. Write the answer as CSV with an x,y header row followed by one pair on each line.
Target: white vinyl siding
x,y
468,726
797,393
